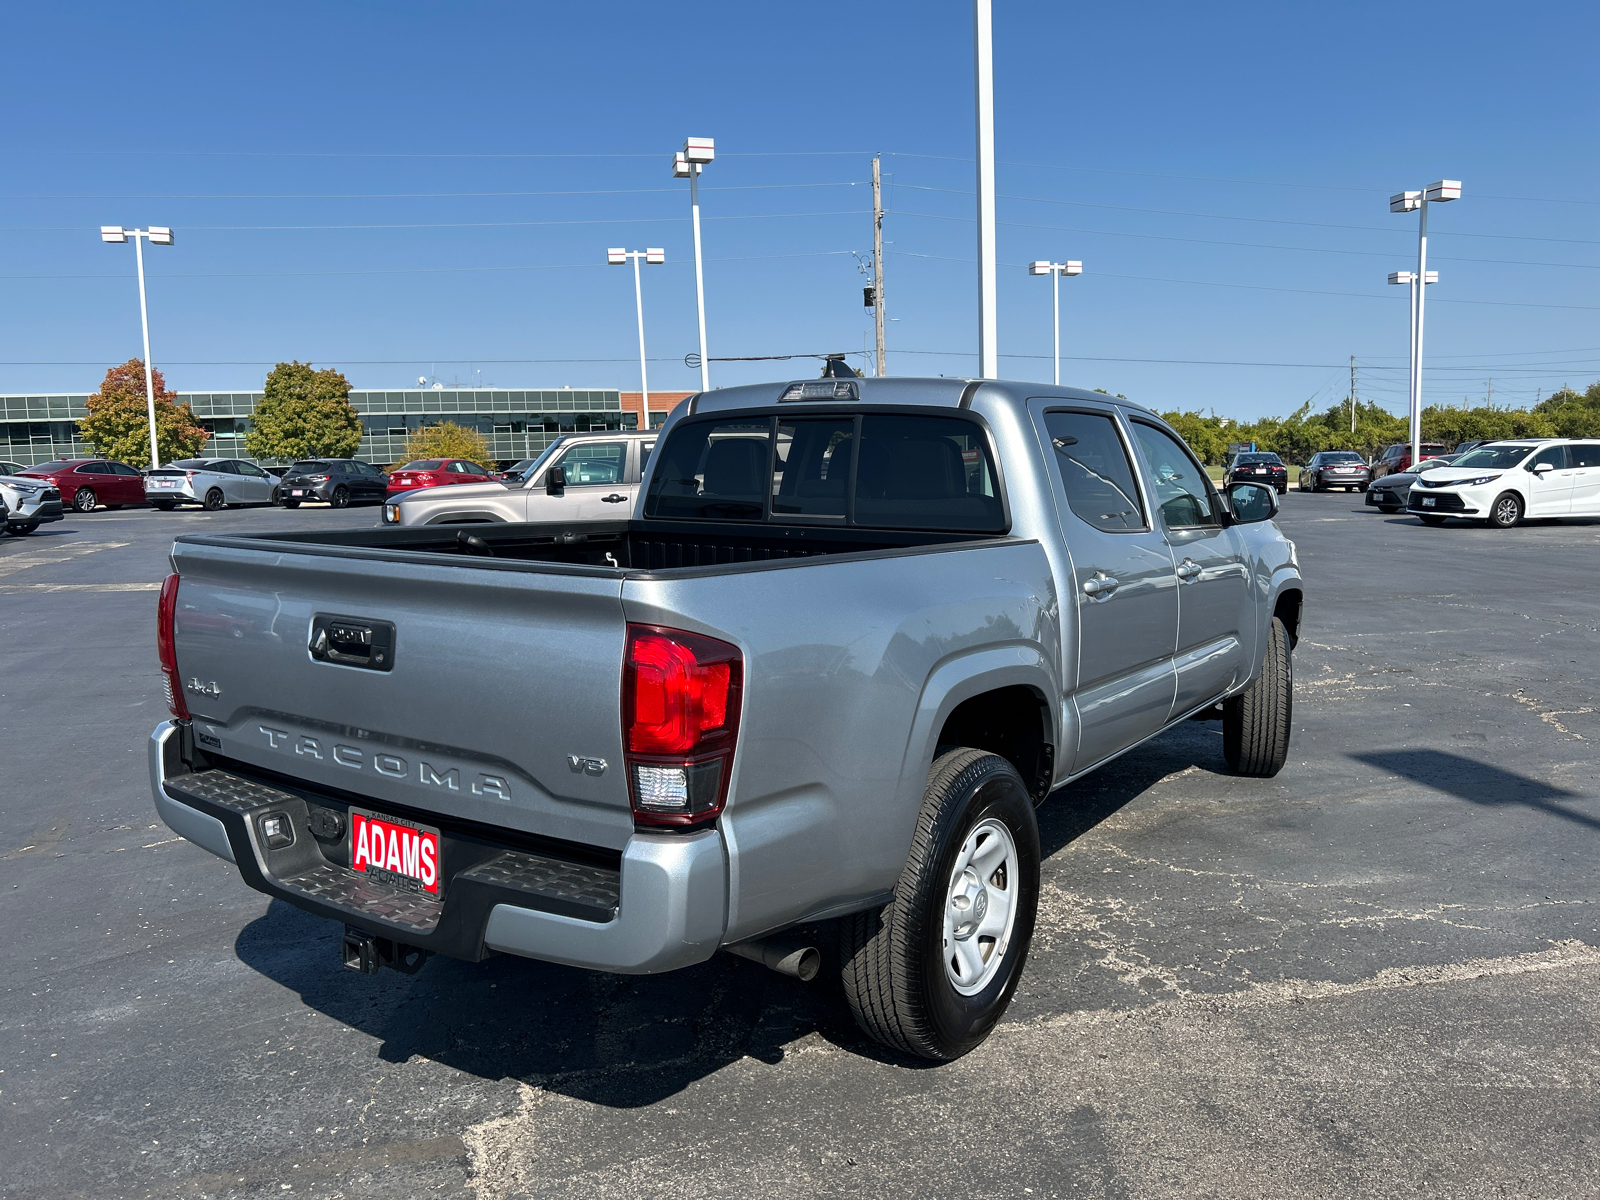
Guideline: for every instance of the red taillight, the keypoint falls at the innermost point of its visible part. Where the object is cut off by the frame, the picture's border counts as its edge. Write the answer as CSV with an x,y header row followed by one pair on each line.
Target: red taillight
x,y
171,682
680,718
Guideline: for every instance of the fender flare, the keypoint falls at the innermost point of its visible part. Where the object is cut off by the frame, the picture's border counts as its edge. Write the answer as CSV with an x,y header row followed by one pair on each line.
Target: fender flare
x,y
468,518
960,677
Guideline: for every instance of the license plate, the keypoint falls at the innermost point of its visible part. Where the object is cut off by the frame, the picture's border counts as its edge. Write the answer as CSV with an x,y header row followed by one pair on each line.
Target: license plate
x,y
1429,501
165,483
297,492
394,851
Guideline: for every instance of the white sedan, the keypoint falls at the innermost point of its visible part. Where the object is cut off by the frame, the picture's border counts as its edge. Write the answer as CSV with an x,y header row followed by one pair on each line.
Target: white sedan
x,y
210,483
1503,482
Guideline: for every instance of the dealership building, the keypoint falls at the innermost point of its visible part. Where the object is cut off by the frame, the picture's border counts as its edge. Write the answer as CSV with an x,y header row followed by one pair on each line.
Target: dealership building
x,y
518,423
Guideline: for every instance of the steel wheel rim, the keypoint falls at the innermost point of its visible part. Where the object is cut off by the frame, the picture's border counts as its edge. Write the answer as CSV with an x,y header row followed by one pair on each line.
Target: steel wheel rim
x,y
980,907
1506,511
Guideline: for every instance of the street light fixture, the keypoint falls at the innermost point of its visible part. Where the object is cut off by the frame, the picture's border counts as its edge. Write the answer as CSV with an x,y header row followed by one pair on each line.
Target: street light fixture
x,y
655,256
1056,270
158,235
687,164
1404,202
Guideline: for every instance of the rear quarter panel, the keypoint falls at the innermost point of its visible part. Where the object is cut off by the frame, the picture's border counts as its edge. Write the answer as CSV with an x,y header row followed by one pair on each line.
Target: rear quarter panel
x,y
848,668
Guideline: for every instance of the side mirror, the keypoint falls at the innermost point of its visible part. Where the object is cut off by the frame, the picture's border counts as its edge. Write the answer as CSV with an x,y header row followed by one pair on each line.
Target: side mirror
x,y
556,481
1541,468
1252,502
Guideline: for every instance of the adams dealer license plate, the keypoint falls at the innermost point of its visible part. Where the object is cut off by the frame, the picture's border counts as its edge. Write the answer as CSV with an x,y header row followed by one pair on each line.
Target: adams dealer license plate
x,y
394,851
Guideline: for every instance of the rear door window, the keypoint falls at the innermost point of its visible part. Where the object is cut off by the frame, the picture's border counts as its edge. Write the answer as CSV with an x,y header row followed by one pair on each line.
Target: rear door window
x,y
812,474
1583,455
1095,471
713,470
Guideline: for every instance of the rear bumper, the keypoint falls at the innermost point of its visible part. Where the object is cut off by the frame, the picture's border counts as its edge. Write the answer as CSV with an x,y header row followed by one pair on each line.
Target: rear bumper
x,y
177,495
663,906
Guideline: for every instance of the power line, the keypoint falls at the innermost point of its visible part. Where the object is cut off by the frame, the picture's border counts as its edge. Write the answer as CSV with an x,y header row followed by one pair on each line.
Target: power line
x,y
748,187
1170,212
1168,237
852,212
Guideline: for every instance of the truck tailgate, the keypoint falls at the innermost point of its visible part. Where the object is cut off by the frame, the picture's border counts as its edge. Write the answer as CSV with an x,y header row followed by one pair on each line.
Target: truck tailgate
x,y
498,701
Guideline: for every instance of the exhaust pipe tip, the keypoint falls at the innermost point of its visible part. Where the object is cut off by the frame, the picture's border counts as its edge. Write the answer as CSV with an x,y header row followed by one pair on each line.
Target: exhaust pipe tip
x,y
785,954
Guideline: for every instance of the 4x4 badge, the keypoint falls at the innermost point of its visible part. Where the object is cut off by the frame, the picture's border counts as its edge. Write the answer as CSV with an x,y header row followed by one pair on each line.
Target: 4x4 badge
x,y
204,689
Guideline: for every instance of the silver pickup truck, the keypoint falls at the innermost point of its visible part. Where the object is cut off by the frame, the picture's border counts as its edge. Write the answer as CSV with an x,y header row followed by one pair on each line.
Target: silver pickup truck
x,y
852,633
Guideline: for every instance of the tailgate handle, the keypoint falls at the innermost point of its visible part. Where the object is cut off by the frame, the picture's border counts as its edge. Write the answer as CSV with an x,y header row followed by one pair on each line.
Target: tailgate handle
x,y
352,642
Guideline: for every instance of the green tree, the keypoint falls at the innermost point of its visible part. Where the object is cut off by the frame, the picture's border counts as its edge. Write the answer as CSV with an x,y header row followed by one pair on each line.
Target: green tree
x,y
1571,413
1206,436
448,440
304,414
118,424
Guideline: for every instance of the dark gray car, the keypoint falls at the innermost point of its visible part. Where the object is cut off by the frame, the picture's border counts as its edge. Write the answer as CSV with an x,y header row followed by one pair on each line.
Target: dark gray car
x,y
340,482
1388,494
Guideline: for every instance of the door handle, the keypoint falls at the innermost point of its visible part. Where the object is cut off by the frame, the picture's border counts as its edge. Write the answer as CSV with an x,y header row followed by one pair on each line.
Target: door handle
x,y
1189,569
1100,585
614,498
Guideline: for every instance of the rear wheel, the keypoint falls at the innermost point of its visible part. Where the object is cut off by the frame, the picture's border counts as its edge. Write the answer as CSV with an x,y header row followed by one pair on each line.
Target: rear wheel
x,y
84,500
164,505
274,500
340,497
1255,723
1506,511
291,504
931,973
214,500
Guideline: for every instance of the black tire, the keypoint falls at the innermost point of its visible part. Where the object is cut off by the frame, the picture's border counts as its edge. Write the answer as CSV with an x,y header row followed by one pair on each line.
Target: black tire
x,y
291,504
893,958
164,505
22,528
1255,723
1390,508
1430,518
1301,484
214,500
84,500
1506,511
274,500
340,497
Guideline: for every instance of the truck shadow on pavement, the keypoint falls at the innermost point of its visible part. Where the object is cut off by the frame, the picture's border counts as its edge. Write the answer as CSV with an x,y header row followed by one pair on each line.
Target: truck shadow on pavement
x,y
1476,782
628,1041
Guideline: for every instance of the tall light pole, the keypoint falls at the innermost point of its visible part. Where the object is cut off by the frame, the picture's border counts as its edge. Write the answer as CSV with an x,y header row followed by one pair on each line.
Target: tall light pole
x,y
159,235
655,256
696,153
1402,202
988,326
1056,270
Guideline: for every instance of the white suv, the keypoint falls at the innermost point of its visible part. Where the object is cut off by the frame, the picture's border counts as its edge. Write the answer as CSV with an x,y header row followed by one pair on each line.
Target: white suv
x,y
1502,482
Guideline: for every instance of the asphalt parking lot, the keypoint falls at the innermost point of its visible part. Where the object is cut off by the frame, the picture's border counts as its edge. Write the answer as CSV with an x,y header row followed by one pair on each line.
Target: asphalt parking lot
x,y
1376,974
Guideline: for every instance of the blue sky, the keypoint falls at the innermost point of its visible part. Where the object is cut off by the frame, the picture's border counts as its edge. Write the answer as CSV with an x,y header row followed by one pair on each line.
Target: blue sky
x,y
429,189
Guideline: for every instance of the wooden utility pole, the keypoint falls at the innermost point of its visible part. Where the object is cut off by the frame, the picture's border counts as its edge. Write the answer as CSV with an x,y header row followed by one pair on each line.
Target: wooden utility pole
x,y
877,260
1352,393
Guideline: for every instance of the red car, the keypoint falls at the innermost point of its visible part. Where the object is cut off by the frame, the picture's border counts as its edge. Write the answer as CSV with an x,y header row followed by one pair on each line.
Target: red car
x,y
88,483
436,472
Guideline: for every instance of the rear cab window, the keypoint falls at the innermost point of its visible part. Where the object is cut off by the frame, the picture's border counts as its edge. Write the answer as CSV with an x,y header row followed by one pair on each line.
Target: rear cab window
x,y
893,470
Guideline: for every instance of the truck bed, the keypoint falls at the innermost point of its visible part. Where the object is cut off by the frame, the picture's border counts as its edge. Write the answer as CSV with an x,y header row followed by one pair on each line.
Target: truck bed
x,y
630,545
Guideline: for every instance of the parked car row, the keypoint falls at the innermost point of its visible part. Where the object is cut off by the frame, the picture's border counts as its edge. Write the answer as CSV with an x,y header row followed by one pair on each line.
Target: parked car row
x,y
87,484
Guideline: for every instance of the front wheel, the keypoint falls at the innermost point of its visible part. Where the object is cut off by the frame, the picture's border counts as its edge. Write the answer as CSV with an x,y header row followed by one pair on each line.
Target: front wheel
x,y
340,497
84,500
1255,723
1430,518
1506,511
931,973
22,528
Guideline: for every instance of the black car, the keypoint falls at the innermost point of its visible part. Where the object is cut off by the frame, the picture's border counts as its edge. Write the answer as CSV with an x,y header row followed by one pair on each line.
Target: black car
x,y
1258,466
339,481
1335,468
